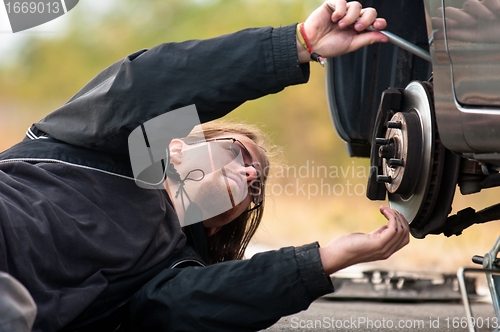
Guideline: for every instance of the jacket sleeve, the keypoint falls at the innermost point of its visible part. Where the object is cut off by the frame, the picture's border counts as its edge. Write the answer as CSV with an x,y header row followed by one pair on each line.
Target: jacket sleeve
x,y
217,75
232,296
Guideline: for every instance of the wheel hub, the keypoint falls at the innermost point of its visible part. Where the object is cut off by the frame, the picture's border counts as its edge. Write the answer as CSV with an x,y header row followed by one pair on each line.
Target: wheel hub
x,y
401,152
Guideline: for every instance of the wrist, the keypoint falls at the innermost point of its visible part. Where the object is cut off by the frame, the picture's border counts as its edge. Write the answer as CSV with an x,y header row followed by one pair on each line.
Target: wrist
x,y
303,54
332,260
305,50
328,262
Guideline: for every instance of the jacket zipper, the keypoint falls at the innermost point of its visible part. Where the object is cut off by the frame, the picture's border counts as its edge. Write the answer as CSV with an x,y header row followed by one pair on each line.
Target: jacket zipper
x,y
55,161
191,260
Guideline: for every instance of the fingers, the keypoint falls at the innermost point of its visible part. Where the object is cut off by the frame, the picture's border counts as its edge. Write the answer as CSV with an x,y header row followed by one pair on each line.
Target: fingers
x,y
386,211
361,18
395,219
471,12
338,28
353,13
477,9
391,217
396,236
368,17
493,6
476,21
459,16
338,8
403,229
367,38
380,24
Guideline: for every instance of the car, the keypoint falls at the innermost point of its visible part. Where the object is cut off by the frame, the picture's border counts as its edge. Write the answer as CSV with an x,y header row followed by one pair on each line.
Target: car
x,y
427,126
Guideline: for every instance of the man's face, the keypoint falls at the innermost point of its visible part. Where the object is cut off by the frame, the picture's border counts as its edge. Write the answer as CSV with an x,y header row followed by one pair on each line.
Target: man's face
x,y
221,173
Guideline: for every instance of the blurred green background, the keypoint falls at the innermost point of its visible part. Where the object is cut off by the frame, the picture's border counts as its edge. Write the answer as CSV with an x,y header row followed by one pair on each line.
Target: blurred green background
x,y
43,67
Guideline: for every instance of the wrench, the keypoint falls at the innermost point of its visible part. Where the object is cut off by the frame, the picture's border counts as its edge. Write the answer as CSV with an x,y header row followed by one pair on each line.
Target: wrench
x,y
398,41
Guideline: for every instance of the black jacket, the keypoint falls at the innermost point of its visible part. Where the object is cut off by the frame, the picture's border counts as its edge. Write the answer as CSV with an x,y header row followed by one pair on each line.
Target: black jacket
x,y
95,240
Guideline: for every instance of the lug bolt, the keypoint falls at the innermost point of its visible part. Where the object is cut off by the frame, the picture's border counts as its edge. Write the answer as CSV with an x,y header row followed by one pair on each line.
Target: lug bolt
x,y
381,141
384,179
394,124
393,162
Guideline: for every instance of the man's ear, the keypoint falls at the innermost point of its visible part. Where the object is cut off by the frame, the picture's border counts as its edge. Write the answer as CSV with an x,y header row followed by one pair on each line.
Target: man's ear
x,y
176,146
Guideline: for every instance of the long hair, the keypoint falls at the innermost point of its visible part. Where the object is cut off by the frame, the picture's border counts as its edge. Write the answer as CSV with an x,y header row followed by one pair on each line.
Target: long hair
x,y
231,241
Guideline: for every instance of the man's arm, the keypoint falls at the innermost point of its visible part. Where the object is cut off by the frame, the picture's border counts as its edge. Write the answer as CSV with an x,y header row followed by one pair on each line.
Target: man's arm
x,y
253,294
247,295
217,75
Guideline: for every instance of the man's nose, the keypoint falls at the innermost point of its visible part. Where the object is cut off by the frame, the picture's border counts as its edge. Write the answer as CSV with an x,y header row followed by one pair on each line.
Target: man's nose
x,y
250,172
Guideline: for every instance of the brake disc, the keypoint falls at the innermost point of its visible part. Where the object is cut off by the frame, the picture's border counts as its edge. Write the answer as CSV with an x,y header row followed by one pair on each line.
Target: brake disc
x,y
418,173
416,205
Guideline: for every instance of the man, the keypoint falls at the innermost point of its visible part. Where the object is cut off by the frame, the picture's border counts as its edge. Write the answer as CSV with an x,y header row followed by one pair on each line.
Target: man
x,y
98,248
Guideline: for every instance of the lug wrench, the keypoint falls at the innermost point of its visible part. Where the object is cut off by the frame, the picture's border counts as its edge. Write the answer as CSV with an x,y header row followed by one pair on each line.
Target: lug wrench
x,y
398,41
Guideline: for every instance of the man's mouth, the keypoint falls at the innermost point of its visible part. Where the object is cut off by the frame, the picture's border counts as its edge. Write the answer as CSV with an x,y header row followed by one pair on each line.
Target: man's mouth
x,y
240,185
